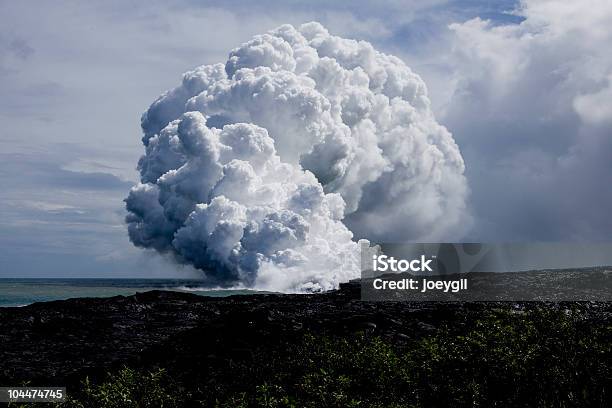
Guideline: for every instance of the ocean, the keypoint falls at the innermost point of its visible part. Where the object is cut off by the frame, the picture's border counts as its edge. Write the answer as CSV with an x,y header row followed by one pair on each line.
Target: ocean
x,y
21,292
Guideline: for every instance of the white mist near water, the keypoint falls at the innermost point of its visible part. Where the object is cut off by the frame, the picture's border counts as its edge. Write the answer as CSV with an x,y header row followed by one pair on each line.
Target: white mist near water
x,y
263,171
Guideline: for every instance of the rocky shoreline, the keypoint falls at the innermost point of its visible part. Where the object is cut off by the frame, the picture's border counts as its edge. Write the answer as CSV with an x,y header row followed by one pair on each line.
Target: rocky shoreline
x,y
59,343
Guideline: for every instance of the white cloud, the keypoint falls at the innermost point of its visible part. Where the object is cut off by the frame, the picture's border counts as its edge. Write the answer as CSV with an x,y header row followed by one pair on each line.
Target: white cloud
x,y
251,165
530,110
596,107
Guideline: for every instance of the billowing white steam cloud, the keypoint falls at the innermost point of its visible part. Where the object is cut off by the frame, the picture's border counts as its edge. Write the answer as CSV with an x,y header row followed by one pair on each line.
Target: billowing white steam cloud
x,y
252,166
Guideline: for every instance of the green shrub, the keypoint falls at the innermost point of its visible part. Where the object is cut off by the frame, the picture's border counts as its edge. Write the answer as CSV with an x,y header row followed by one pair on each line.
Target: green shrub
x,y
543,357
128,388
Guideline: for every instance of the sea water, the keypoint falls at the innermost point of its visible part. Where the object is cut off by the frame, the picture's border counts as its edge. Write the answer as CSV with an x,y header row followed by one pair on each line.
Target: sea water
x,y
21,292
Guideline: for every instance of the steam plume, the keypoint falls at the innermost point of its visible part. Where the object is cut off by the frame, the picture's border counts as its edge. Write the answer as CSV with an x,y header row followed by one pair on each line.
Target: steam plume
x,y
261,171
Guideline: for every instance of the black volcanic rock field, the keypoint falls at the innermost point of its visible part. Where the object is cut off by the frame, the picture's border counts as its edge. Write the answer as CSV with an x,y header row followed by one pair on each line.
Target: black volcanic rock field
x,y
230,351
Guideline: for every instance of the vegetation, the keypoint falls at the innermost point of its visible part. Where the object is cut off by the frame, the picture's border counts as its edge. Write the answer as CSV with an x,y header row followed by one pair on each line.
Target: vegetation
x,y
543,357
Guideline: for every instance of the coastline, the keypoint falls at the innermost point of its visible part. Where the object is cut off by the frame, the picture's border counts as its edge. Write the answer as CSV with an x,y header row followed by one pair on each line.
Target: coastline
x,y
226,341
17,292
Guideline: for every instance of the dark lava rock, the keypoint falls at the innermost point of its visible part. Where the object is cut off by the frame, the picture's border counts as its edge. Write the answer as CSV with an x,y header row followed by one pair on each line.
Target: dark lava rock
x,y
59,343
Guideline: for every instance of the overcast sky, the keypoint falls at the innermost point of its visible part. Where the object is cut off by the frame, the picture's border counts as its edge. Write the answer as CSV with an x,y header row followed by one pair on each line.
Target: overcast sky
x,y
525,89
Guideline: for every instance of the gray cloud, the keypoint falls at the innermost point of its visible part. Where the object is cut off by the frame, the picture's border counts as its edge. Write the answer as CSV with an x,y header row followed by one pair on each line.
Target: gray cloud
x,y
58,222
530,113
81,73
